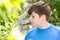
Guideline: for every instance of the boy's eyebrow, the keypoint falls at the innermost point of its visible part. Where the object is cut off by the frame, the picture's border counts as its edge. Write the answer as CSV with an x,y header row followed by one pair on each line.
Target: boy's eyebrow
x,y
32,13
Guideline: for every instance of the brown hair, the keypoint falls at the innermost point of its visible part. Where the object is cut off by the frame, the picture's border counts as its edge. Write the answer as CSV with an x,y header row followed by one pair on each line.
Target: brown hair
x,y
40,8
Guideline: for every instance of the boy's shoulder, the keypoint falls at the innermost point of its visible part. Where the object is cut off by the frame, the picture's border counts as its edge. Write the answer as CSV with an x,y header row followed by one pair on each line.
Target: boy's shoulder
x,y
32,30
57,28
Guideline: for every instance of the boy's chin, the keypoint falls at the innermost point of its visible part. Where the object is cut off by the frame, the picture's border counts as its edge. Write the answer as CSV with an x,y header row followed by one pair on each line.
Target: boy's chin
x,y
34,25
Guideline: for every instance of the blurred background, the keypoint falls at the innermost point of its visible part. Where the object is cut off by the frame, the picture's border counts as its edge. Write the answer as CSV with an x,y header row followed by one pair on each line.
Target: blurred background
x,y
14,20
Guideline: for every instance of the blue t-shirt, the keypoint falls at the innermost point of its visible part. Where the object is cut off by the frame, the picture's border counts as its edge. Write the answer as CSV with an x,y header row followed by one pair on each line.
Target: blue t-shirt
x,y
50,33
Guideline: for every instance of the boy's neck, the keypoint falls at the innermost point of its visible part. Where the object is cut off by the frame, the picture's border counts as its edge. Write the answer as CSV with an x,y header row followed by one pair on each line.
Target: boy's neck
x,y
44,25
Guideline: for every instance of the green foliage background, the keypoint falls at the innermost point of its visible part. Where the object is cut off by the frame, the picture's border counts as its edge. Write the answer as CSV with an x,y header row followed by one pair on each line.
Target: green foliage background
x,y
10,10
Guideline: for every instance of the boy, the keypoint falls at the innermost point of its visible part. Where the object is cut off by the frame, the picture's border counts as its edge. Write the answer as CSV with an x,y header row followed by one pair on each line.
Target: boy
x,y
39,18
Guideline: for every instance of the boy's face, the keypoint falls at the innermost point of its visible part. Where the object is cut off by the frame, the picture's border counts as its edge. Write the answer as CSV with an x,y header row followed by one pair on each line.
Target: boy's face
x,y
36,20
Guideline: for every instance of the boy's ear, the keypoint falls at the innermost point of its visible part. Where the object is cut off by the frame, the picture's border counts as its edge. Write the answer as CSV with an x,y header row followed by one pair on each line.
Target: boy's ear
x,y
43,17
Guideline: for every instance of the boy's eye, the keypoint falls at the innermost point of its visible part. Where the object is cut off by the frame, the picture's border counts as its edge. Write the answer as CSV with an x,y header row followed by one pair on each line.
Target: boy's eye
x,y
32,16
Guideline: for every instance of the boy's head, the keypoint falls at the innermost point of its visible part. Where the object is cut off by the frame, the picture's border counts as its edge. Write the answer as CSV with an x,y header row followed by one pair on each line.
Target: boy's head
x,y
39,13
41,8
